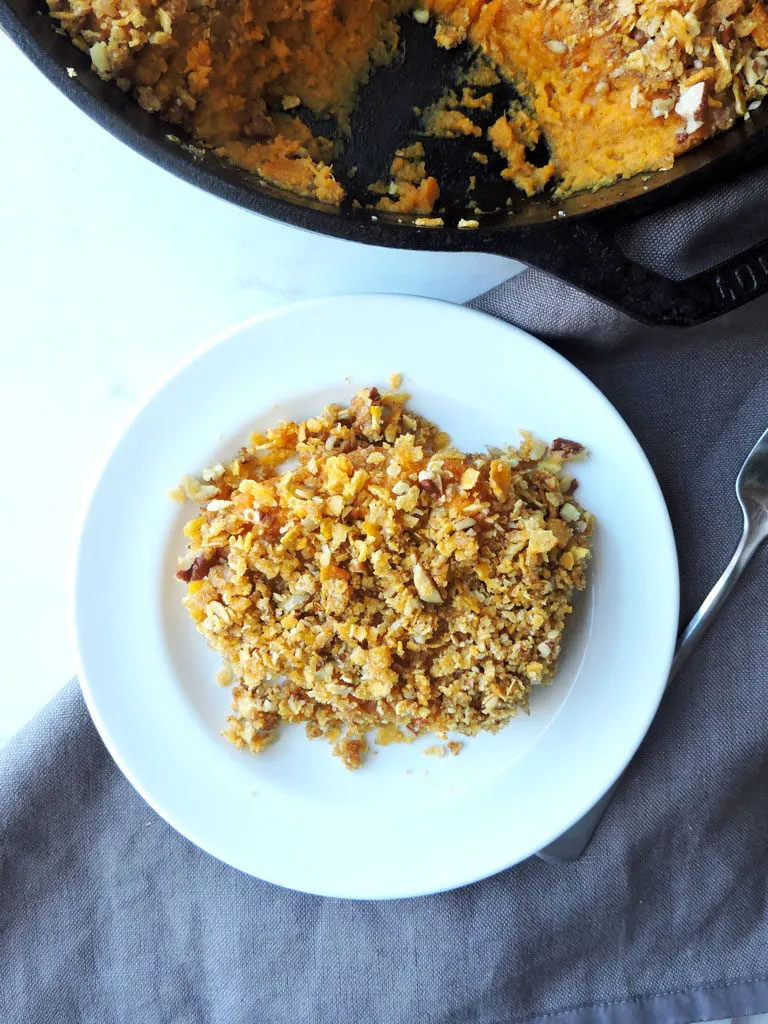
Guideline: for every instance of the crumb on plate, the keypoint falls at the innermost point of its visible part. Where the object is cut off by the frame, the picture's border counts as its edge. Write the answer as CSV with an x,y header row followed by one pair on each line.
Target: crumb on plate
x,y
361,576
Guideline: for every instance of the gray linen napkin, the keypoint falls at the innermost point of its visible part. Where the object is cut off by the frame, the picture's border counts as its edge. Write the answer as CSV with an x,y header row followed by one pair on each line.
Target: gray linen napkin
x,y
108,915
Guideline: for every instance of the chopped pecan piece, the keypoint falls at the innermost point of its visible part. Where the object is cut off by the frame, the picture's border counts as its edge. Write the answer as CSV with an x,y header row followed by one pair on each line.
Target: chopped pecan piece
x,y
429,486
260,129
269,521
200,568
568,449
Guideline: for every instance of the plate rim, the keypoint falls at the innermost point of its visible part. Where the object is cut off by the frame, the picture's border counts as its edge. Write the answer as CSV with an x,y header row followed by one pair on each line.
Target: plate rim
x,y
220,338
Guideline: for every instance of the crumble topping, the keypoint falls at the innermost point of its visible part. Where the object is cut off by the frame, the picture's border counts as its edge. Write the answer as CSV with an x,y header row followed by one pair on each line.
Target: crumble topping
x,y
386,583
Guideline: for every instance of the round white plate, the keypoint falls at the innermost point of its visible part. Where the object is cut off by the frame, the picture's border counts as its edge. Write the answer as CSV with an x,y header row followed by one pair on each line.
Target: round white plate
x,y
404,824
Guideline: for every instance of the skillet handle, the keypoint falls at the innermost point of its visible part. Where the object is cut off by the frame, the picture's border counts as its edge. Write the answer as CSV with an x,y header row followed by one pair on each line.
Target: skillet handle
x,y
606,273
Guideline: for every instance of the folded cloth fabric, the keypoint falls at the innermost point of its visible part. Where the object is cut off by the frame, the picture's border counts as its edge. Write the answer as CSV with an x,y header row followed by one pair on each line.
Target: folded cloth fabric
x,y
108,915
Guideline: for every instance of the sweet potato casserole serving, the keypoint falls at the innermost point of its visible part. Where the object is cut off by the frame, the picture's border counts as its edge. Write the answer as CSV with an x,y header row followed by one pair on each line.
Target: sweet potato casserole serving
x,y
615,87
359,575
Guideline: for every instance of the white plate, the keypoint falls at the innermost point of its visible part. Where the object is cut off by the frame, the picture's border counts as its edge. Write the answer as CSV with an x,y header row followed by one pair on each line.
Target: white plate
x,y
405,823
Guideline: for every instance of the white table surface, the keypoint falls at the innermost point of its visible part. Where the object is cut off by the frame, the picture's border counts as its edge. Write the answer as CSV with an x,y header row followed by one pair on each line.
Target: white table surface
x,y
112,271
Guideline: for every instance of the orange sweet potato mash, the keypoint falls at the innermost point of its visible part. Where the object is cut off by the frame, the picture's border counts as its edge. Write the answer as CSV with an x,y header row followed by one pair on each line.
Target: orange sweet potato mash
x,y
606,82
615,87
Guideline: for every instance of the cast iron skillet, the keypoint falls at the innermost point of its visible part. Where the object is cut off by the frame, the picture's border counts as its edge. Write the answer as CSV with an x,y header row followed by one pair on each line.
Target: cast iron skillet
x,y
574,239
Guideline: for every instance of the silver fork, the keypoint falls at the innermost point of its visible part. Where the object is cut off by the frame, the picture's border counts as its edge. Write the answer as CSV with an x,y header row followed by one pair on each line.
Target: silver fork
x,y
752,494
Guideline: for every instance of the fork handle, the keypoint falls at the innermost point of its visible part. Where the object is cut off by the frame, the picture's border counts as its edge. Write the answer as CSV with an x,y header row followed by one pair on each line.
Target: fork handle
x,y
714,600
572,843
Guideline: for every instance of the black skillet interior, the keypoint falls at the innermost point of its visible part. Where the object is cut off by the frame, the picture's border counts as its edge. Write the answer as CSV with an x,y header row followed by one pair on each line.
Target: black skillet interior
x,y
573,238
387,116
